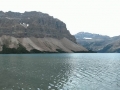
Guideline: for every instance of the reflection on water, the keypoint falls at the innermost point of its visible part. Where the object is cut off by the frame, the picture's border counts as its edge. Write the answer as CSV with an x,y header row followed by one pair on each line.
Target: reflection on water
x,y
60,72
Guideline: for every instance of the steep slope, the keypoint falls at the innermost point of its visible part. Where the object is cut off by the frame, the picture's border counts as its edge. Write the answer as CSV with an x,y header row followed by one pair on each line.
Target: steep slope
x,y
35,32
37,45
98,43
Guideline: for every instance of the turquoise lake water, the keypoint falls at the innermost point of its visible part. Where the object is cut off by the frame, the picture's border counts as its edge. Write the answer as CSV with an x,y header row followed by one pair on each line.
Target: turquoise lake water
x,y
92,71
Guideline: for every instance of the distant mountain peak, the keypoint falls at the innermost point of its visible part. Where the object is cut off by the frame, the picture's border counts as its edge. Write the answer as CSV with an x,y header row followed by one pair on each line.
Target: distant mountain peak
x,y
98,43
91,35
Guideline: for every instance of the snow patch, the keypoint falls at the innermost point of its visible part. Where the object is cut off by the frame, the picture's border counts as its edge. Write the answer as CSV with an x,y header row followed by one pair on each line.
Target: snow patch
x,y
87,38
25,25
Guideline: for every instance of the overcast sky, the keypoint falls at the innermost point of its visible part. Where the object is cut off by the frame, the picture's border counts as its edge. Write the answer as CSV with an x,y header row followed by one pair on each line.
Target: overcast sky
x,y
95,16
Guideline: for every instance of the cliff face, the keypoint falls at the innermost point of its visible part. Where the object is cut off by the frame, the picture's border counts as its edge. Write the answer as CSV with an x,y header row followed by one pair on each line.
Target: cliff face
x,y
35,32
34,24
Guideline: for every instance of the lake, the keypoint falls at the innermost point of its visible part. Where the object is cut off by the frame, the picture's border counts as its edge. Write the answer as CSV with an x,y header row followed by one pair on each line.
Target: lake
x,y
81,71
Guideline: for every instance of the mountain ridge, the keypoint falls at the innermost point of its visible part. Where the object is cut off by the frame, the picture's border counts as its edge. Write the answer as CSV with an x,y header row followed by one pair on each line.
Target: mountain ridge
x,y
99,43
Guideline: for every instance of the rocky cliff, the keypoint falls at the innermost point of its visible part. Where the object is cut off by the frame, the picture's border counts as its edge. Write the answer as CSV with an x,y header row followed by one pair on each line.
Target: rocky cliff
x,y
34,24
35,32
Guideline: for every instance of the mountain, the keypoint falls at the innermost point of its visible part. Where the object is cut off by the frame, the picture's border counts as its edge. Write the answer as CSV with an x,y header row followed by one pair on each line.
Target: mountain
x,y
98,43
35,32
112,46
